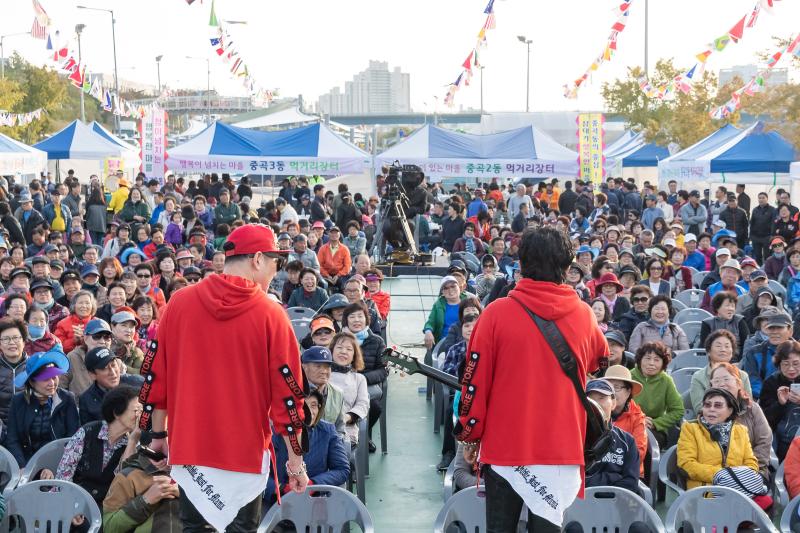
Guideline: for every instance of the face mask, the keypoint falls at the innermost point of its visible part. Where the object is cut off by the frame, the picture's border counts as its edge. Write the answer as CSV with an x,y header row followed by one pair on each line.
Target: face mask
x,y
779,255
36,332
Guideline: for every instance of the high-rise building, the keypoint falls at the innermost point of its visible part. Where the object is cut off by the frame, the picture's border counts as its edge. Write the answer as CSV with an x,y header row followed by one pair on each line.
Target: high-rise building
x,y
777,76
372,91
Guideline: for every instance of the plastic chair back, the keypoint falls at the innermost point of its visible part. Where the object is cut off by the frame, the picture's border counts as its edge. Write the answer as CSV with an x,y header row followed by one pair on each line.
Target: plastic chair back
x,y
678,306
36,503
301,327
777,289
467,508
698,278
320,506
690,297
683,378
688,408
687,359
782,495
654,451
790,521
611,509
300,312
48,457
691,314
668,471
706,508
449,487
692,330
9,471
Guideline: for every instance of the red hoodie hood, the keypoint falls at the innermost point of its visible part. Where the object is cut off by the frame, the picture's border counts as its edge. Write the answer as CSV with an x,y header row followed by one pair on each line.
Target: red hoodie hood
x,y
226,297
548,300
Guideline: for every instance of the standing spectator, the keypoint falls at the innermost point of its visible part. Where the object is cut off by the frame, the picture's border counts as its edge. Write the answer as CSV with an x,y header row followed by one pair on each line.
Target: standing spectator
x,y
11,225
119,196
566,201
761,227
694,214
29,218
452,226
736,220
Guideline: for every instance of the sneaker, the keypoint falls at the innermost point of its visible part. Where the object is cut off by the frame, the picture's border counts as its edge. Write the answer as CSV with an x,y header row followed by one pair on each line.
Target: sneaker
x,y
372,447
447,458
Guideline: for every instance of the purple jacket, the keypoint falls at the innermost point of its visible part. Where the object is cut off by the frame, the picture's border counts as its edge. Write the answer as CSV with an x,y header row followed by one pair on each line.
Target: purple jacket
x,y
174,234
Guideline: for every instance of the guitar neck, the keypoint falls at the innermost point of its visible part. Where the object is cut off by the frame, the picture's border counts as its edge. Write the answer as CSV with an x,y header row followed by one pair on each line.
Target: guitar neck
x,y
438,375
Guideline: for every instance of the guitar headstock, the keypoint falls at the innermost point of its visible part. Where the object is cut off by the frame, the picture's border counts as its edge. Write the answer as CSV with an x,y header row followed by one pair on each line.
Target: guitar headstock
x,y
407,363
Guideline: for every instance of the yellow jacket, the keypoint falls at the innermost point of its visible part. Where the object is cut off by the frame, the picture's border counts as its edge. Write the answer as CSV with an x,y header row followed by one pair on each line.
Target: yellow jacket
x,y
701,457
118,198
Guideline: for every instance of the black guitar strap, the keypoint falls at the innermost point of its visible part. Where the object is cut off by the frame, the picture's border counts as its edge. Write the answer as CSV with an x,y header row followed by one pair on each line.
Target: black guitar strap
x,y
566,360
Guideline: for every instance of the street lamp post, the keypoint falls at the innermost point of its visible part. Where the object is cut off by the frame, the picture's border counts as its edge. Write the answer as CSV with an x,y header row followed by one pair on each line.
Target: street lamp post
x,y
481,69
79,29
158,69
114,46
527,43
3,53
208,84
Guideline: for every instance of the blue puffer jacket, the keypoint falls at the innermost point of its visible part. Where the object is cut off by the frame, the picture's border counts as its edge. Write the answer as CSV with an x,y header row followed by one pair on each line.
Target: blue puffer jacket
x,y
757,362
24,414
620,465
327,460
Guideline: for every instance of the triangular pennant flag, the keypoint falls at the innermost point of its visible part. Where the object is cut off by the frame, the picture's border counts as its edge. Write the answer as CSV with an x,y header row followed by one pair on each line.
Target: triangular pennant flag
x,y
737,31
490,23
107,100
215,41
691,72
476,63
212,20
703,56
754,16
458,80
468,62
772,61
49,43
794,45
70,65
721,42
87,83
97,89
76,77
489,7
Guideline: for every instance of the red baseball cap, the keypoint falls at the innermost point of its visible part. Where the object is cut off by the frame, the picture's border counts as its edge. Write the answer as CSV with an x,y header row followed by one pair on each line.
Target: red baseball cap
x,y
251,238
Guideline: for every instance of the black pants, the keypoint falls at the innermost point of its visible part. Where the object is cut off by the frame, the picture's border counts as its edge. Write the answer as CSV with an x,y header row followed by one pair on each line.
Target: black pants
x,y
448,441
636,527
761,250
245,522
375,409
503,507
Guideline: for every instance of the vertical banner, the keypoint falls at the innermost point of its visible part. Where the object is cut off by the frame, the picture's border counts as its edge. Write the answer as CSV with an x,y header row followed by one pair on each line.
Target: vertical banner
x,y
590,148
153,135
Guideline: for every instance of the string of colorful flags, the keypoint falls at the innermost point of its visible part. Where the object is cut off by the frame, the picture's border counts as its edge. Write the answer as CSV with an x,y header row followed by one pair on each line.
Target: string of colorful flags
x,y
226,48
63,56
472,59
20,119
684,82
571,90
756,83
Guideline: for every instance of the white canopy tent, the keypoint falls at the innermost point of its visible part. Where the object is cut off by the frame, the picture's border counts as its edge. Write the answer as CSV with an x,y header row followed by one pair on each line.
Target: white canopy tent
x,y
291,116
19,158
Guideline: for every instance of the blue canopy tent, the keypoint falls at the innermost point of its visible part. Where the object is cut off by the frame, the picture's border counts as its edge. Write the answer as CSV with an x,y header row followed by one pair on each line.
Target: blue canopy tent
x,y
132,151
19,158
520,153
732,155
633,152
79,141
312,149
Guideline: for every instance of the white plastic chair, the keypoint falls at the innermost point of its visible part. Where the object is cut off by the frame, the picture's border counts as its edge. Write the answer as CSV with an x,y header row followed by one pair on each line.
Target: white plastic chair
x,y
301,328
320,507
690,297
654,450
466,507
678,306
777,289
782,495
683,378
698,278
687,359
9,472
37,503
790,521
300,312
706,508
692,330
611,509
47,457
691,314
668,470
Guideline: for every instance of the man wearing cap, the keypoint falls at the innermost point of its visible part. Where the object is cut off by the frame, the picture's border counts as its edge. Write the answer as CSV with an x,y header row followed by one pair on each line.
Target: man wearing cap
x,y
300,252
42,292
694,258
317,365
97,334
694,214
729,274
105,370
123,329
28,217
229,313
620,466
758,279
119,196
334,258
761,220
531,385
721,255
758,361
651,211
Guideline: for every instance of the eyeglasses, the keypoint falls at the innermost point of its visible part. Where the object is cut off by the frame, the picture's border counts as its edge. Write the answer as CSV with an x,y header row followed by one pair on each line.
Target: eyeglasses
x,y
620,388
715,405
790,364
280,260
143,276
11,340
101,337
723,381
639,299
656,268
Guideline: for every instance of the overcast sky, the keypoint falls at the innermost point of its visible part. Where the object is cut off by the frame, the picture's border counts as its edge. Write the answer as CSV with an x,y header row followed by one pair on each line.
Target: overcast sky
x,y
308,46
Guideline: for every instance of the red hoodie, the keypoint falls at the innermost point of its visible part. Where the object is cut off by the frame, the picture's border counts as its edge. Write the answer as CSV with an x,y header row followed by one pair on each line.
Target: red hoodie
x,y
223,350
524,408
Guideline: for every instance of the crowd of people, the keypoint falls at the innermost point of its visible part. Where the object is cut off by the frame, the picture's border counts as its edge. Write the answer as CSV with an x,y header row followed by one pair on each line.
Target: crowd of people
x,y
87,274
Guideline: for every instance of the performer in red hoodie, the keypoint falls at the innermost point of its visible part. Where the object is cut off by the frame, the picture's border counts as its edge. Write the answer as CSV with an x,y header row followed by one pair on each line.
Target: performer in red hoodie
x,y
510,378
228,365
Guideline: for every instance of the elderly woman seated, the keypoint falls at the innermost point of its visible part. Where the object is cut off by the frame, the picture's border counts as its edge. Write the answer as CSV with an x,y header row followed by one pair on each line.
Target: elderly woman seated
x,y
659,399
714,441
327,461
721,348
723,306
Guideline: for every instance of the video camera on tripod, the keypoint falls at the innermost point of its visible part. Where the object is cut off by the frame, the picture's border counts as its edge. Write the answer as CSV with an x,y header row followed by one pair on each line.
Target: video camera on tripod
x,y
404,200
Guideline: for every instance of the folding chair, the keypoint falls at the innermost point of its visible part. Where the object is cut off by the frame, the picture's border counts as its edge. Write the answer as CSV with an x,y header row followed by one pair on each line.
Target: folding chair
x,y
790,521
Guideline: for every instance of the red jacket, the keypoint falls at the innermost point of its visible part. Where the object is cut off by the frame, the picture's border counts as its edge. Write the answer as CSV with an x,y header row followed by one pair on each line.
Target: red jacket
x,y
632,421
227,361
65,333
383,301
524,408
